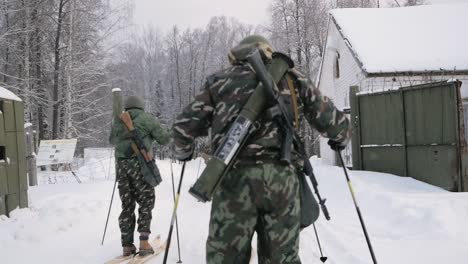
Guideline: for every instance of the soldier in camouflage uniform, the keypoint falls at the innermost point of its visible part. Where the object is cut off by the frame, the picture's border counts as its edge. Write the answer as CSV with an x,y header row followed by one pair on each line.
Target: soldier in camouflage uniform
x,y
259,194
132,187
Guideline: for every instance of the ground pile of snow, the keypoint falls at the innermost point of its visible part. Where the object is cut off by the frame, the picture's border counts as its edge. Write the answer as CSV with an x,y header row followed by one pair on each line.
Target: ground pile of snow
x,y
408,221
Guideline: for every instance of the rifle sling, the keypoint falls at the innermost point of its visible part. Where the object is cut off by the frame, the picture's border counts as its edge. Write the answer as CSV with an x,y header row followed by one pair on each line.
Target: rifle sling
x,y
133,144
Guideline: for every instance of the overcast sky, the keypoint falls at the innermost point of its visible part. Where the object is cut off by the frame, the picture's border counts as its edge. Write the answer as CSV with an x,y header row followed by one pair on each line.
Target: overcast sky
x,y
196,13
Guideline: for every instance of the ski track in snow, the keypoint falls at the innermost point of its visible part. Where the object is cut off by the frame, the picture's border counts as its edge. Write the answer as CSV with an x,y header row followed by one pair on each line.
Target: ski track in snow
x,y
408,221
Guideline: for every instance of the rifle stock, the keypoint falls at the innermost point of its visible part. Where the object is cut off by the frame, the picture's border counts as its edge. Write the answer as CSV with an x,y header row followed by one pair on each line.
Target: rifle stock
x,y
127,120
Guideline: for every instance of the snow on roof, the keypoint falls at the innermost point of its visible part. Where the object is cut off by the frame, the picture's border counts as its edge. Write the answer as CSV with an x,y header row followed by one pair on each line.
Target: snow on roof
x,y
6,94
422,38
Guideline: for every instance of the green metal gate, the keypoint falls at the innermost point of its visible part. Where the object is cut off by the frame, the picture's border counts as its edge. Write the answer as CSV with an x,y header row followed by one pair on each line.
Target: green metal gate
x,y
415,131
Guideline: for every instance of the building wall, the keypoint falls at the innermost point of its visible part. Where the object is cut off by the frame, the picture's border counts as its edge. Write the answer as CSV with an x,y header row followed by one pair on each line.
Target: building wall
x,y
351,74
337,88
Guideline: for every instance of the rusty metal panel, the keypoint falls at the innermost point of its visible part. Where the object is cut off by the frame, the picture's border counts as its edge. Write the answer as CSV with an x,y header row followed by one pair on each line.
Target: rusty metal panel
x,y
384,159
383,115
464,172
436,165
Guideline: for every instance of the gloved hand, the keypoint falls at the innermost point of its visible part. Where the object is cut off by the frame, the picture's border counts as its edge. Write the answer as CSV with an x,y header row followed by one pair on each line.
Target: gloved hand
x,y
183,154
336,145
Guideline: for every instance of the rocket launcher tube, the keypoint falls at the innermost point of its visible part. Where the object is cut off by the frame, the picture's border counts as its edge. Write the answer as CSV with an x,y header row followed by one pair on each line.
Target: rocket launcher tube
x,y
117,104
237,135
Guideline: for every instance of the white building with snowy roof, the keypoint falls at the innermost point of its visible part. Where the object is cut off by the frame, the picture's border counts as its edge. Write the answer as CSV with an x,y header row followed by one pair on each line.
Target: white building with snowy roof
x,y
388,48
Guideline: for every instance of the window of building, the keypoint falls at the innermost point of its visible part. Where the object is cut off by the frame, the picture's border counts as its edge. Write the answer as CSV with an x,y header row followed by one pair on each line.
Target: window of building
x,y
337,66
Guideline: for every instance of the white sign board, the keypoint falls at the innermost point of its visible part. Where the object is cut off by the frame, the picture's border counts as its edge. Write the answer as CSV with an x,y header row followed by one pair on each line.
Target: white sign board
x,y
56,152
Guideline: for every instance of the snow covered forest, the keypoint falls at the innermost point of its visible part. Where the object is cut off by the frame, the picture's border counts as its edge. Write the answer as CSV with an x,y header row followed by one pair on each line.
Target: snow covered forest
x,y
62,57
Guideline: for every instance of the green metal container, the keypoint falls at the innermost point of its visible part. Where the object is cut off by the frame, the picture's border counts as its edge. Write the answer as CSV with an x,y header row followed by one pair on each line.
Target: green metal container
x,y
12,202
23,199
9,115
3,210
3,179
19,116
13,175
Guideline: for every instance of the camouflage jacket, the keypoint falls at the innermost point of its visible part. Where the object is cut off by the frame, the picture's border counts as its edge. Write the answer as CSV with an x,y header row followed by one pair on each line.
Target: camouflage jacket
x,y
224,95
150,129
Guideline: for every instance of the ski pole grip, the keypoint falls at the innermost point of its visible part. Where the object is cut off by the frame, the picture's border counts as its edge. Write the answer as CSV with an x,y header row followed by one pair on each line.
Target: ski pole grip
x,y
325,210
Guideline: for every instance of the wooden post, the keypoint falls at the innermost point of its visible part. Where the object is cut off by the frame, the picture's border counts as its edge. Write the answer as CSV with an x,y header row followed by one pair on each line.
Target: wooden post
x,y
355,123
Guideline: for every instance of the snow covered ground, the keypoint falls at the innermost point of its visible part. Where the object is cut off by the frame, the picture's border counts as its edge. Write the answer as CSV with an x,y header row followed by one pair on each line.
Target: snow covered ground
x,y
408,221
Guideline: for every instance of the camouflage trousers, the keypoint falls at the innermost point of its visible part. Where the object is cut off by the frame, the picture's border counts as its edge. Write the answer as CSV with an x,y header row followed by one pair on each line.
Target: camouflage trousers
x,y
133,189
263,199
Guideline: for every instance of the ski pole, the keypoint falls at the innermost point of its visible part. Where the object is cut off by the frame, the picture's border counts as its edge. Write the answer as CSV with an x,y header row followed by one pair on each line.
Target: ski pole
x,y
198,170
174,214
322,258
357,209
108,214
176,220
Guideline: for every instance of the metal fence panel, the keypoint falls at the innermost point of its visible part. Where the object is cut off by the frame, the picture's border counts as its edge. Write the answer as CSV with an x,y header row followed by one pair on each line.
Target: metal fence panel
x,y
436,165
393,156
413,131
430,116
383,119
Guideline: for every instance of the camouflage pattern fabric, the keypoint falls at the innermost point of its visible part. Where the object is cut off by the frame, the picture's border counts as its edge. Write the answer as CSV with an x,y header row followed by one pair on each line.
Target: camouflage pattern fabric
x,y
224,95
133,189
149,127
255,195
262,198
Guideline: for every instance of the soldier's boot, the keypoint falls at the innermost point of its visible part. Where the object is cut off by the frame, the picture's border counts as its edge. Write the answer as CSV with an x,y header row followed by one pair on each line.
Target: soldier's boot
x,y
129,250
145,247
